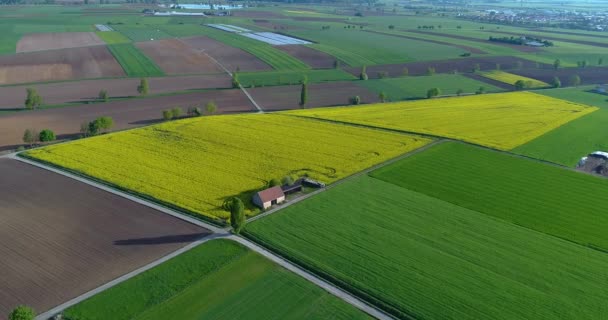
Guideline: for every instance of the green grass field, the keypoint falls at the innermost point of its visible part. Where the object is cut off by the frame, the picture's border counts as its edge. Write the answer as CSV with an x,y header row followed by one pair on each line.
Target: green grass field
x,y
133,61
274,78
278,59
112,37
428,259
581,136
142,33
416,87
552,200
217,280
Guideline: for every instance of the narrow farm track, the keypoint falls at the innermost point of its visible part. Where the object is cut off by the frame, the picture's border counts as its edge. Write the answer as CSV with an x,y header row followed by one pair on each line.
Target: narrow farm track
x,y
217,234
253,102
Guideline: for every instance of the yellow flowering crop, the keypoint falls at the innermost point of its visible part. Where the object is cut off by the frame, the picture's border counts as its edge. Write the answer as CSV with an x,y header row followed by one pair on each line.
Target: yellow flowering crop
x,y
510,78
197,163
503,120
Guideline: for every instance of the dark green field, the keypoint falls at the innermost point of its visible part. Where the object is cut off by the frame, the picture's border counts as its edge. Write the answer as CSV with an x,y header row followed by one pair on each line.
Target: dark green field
x,y
569,143
552,200
424,258
133,61
217,280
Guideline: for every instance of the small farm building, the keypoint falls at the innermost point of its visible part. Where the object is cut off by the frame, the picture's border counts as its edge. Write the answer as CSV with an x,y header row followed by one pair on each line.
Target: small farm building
x,y
269,197
295,187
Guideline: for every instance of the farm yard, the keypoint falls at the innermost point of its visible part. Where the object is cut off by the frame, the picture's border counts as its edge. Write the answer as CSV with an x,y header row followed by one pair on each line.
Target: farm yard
x,y
201,186
189,286
479,119
62,238
404,170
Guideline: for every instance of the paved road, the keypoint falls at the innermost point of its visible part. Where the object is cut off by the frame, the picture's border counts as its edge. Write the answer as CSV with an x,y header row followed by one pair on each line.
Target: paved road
x,y
217,233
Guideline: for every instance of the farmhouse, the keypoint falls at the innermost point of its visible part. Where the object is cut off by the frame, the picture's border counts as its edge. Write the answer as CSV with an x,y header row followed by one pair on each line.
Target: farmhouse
x,y
269,197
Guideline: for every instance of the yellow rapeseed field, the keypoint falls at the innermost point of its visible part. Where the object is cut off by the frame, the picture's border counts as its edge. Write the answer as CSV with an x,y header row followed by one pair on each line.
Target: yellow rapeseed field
x,y
503,120
196,163
510,78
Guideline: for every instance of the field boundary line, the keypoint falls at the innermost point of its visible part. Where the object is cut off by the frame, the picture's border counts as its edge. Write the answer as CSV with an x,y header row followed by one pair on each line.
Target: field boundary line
x,y
348,178
150,204
255,104
52,312
311,277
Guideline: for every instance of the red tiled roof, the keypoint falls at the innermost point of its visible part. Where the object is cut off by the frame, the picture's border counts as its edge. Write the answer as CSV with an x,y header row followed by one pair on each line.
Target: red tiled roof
x,y
271,194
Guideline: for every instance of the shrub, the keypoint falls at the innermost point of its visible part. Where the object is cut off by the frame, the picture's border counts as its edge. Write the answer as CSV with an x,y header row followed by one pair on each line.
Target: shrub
x,y
167,115
355,100
47,135
22,313
176,112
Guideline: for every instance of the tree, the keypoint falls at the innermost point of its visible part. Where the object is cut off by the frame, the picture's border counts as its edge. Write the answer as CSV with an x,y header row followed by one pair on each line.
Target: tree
x,y
103,95
556,64
556,83
459,92
93,128
105,123
355,100
30,136
237,215
600,61
176,112
498,66
235,80
575,80
274,182
287,180
433,92
33,99
304,95
476,67
46,135
520,84
430,71
481,90
211,107
143,87
22,313
337,64
363,75
167,115
382,96
194,111
405,71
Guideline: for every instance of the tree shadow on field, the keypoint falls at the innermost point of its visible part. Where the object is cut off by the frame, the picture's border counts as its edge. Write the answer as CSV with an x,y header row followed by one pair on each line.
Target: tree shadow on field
x,y
146,122
178,238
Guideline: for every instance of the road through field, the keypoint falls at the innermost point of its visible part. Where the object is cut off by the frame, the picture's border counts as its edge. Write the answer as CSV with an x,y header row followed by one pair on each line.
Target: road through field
x,y
217,233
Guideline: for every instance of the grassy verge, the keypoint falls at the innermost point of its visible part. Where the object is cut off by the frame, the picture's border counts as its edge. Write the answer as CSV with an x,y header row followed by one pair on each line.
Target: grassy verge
x,y
112,37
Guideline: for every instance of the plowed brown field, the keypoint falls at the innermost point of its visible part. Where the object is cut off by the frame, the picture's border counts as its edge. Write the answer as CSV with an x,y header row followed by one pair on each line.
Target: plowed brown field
x,y
310,56
55,65
229,57
177,57
60,238
53,41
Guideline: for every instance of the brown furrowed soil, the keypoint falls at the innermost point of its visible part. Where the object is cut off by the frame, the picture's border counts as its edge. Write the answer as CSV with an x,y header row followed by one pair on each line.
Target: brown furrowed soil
x,y
54,41
229,57
310,56
526,49
588,75
467,48
176,57
56,65
80,91
319,95
60,238
448,66
131,113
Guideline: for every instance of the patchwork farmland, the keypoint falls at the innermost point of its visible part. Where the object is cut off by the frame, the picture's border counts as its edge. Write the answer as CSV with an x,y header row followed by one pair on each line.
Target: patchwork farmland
x,y
303,160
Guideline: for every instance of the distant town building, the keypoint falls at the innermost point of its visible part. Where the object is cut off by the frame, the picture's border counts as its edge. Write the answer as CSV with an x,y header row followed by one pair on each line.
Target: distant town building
x,y
269,197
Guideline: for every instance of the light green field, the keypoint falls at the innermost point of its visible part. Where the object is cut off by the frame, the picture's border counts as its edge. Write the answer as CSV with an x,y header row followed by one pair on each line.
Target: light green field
x,y
422,258
552,200
112,37
416,87
133,61
139,33
217,280
569,143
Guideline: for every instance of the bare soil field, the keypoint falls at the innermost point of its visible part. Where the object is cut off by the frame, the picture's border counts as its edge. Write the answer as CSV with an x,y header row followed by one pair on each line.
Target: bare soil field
x,y
588,75
131,113
56,65
54,41
320,95
87,90
466,48
310,56
60,238
176,57
229,57
448,66
277,26
526,49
